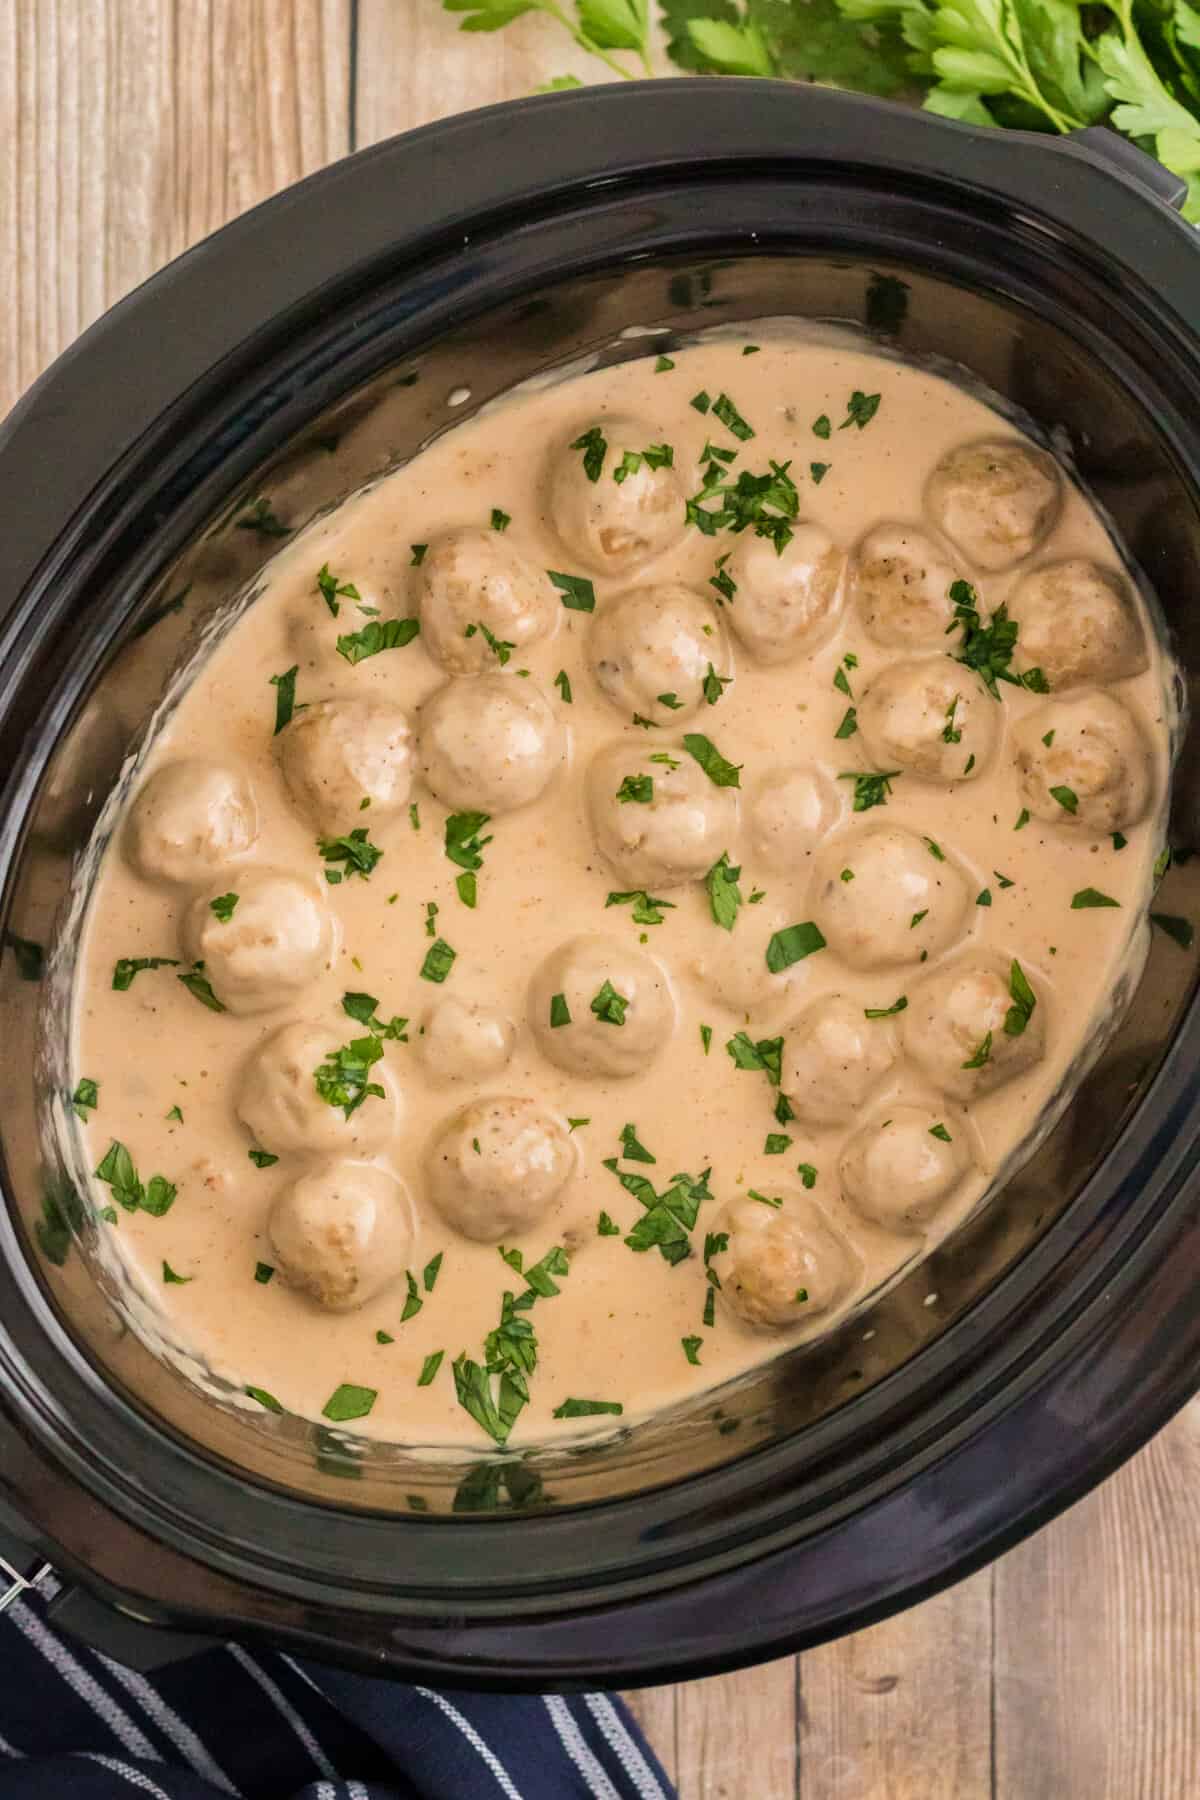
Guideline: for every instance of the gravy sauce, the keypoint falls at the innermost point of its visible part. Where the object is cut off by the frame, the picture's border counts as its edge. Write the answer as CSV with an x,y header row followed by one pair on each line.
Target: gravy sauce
x,y
877,946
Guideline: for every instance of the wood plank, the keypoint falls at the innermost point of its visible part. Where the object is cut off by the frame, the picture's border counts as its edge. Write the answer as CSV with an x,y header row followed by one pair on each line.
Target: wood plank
x,y
902,1711
139,128
736,1735
1097,1636
414,64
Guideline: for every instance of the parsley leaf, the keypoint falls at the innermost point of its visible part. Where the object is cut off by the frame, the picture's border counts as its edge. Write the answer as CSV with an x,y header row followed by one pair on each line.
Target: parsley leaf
x,y
126,967
609,1006
344,1078
646,907
377,635
285,696
720,772
577,591
1090,896
792,945
355,850
332,591
439,960
871,789
724,894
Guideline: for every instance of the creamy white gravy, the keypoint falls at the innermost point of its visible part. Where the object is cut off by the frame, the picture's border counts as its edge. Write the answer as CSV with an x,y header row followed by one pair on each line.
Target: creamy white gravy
x,y
1046,865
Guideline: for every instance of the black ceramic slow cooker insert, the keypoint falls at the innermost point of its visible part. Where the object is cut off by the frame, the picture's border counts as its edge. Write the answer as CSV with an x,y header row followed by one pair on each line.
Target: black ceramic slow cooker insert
x,y
306,348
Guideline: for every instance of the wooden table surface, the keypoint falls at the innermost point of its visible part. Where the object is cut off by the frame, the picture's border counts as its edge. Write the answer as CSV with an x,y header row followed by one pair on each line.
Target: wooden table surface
x,y
1068,1671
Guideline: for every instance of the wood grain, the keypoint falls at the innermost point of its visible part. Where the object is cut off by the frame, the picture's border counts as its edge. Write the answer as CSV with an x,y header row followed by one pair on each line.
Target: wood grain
x,y
1097,1632
139,126
130,128
903,1711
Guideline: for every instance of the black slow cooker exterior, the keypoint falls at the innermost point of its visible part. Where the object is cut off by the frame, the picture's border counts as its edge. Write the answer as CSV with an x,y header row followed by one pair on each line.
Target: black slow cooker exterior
x,y
370,305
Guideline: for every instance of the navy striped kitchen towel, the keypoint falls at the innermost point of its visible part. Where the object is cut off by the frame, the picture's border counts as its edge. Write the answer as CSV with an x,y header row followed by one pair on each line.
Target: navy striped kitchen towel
x,y
74,1725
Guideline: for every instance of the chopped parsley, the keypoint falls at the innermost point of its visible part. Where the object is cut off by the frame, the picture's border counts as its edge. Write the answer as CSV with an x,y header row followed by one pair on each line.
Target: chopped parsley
x,y
1089,897
562,682
431,1271
500,647
724,894
285,696
1067,798
430,1367
766,1055
384,1337
172,1279
807,1174
631,1147
723,581
1022,819
849,724
821,426
500,520
841,682
412,1301
431,912
935,850
464,848
223,906
263,520
981,1053
361,1008
606,1227
578,593
691,1348
792,945
778,1144
85,1098
333,591
671,701
418,554
767,502
609,1006
984,897
646,907
355,851
585,1409
265,1400
871,789
886,1012
594,445
917,917
700,401
1023,1001
1180,931
988,649
939,1131
772,1200
116,1169
952,733
662,365
200,987
706,1038
860,409
714,685
819,471
262,1159
263,1273
439,960
175,1114
702,750
126,967
1004,880
377,635
724,409
349,1402
344,1078
1119,840
560,1012
639,788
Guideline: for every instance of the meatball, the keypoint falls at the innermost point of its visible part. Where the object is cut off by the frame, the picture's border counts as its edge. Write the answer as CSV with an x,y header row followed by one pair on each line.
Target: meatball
x,y
652,648
790,812
341,1233
955,1028
190,821
493,743
263,945
901,584
833,1056
659,823
996,500
598,1007
733,966
784,1265
475,582
280,1102
882,895
1083,763
932,717
338,753
903,1165
1077,623
609,515
461,1041
496,1168
787,602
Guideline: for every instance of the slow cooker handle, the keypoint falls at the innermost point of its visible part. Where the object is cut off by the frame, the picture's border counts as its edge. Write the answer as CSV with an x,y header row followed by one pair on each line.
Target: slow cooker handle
x,y
1101,145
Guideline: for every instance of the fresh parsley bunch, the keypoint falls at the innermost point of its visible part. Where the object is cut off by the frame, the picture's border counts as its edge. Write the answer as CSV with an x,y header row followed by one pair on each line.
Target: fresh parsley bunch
x,y
1042,65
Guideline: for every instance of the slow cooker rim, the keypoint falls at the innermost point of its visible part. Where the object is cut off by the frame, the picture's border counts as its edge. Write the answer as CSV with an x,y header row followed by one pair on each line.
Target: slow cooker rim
x,y
476,121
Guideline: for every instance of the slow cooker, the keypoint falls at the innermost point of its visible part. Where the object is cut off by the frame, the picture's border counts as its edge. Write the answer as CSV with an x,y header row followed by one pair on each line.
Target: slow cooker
x,y
305,349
